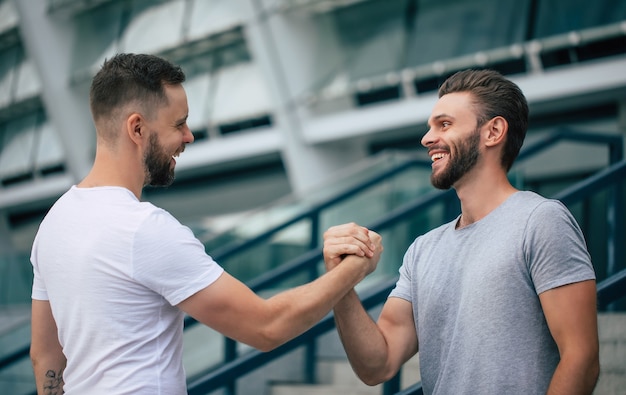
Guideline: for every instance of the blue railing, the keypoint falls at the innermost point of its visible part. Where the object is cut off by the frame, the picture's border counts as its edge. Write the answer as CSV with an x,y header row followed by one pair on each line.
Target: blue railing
x,y
313,213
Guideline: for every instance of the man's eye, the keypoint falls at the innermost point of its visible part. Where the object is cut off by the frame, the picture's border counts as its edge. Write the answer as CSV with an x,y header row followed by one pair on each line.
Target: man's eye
x,y
445,124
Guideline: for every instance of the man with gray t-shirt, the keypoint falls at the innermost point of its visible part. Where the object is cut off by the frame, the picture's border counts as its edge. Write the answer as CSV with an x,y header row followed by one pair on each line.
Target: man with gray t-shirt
x,y
502,300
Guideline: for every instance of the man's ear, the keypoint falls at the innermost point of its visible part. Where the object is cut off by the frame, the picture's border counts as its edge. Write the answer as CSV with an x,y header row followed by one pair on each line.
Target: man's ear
x,y
497,128
135,128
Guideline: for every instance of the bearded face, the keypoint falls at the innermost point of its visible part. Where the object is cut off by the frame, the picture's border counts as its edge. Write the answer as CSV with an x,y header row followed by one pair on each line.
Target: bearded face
x,y
463,158
158,164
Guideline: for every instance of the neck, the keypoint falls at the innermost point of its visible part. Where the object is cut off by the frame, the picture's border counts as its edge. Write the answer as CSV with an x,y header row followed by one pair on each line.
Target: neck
x,y
110,169
482,195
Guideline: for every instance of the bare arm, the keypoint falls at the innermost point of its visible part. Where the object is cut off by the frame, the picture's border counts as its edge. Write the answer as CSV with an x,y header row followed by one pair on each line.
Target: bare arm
x,y
571,314
231,308
45,351
376,350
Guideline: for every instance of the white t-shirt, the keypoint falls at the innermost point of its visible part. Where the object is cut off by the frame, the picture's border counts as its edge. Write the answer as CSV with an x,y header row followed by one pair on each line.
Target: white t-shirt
x,y
113,268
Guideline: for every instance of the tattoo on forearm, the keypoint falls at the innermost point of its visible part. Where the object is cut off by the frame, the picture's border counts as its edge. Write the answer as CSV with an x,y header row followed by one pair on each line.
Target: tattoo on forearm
x,y
53,384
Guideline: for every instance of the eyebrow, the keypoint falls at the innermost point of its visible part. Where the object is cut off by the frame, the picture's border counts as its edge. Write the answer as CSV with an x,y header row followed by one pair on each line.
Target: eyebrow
x,y
182,119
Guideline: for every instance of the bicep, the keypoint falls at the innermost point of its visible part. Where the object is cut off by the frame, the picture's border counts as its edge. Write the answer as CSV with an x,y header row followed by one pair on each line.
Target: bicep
x,y
571,314
397,325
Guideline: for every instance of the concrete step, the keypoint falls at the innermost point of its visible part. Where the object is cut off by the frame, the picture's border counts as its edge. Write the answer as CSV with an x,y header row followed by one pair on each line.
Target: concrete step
x,y
612,335
334,377
323,389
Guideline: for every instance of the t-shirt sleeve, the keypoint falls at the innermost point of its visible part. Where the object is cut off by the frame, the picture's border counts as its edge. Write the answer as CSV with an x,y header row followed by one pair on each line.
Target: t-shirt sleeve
x,y
402,289
555,248
39,291
170,260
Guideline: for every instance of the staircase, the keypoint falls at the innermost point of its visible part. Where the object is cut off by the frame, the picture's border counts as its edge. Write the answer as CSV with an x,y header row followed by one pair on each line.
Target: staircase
x,y
336,377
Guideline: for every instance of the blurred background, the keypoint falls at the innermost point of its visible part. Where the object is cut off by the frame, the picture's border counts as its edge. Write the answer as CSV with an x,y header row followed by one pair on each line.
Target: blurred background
x,y
306,114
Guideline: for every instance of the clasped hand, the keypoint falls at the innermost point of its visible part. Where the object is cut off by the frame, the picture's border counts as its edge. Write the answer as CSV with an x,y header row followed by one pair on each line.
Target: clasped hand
x,y
351,239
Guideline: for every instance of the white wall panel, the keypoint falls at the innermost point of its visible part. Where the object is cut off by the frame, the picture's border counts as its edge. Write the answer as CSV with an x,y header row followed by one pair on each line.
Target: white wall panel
x,y
241,93
154,28
214,16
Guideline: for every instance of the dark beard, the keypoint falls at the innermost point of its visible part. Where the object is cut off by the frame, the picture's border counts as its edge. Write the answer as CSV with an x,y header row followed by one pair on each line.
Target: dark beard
x,y
157,165
465,157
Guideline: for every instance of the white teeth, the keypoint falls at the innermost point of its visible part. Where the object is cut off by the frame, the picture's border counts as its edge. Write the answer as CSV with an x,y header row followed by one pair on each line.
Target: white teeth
x,y
435,157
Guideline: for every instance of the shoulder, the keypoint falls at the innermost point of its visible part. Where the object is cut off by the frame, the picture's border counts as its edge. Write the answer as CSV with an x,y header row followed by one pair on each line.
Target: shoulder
x,y
549,221
528,199
543,209
157,225
536,207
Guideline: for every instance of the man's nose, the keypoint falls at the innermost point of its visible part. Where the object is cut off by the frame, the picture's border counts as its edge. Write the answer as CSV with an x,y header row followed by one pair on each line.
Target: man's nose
x,y
428,138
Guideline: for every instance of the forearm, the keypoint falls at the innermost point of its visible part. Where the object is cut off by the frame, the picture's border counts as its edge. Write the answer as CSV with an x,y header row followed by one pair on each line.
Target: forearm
x,y
296,310
575,376
46,352
48,373
365,345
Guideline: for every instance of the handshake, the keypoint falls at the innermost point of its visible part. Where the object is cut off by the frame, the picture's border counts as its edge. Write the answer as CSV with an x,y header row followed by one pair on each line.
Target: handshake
x,y
353,243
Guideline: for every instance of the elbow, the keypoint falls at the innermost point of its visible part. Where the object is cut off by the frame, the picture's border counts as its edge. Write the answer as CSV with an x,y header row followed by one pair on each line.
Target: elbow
x,y
593,366
371,381
268,339
585,366
35,357
266,346
374,377
594,371
591,375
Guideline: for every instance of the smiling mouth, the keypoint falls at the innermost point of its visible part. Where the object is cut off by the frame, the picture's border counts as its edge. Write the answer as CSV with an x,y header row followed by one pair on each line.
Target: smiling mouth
x,y
438,156
177,154
173,158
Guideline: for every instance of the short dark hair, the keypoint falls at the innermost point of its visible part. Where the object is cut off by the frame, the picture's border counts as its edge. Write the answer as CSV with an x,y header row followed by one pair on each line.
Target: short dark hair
x,y
494,95
130,77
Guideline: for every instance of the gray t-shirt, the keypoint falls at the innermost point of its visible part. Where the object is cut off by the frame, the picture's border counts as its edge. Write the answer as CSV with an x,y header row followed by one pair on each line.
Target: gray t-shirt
x,y
475,290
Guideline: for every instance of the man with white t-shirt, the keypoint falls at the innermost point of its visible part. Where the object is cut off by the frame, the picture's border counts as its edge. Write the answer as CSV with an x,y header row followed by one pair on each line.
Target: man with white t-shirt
x,y
113,276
